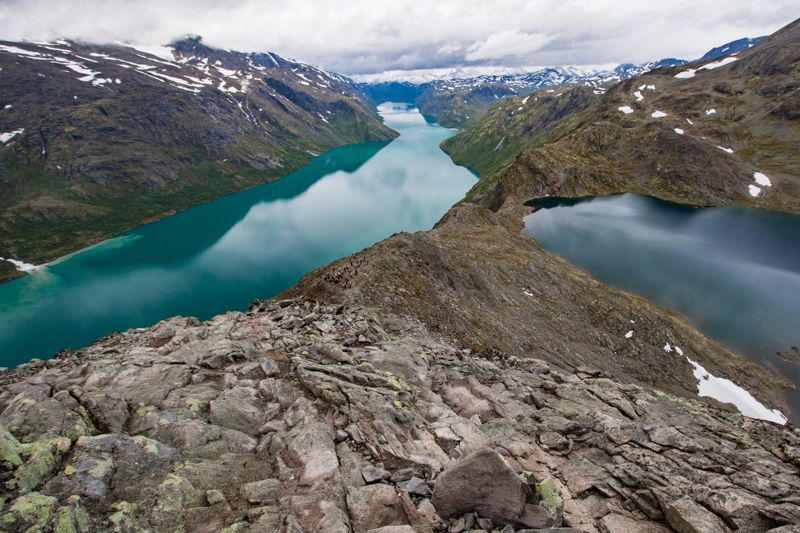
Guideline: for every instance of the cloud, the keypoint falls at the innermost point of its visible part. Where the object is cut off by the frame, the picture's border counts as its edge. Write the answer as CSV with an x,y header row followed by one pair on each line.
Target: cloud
x,y
507,43
364,36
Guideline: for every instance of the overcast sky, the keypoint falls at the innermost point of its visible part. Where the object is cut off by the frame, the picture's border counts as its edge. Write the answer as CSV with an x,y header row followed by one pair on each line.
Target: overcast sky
x,y
371,36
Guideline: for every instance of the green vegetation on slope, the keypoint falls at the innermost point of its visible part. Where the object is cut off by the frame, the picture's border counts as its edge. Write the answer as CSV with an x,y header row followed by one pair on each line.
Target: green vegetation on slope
x,y
97,159
697,140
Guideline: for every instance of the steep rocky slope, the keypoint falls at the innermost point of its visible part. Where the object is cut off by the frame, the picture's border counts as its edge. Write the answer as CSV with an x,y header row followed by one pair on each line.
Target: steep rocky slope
x,y
95,139
725,132
298,417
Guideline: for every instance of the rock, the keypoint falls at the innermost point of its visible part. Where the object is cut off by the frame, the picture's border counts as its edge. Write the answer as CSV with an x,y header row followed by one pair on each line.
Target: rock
x,y
374,506
534,517
238,408
313,448
482,482
264,491
617,523
426,509
215,496
393,529
416,486
372,474
31,512
687,516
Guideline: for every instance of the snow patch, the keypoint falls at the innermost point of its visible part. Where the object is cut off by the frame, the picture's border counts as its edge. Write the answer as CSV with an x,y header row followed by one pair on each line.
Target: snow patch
x,y
22,266
711,111
658,114
727,391
724,149
629,334
626,109
762,179
679,131
689,73
753,190
638,95
164,52
5,137
720,63
19,51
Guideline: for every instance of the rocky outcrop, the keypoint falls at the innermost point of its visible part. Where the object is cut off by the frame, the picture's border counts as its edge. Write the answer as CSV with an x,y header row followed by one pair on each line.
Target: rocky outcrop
x,y
297,416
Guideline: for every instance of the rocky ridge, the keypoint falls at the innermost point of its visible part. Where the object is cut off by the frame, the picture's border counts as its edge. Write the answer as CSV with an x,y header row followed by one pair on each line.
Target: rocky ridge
x,y
297,416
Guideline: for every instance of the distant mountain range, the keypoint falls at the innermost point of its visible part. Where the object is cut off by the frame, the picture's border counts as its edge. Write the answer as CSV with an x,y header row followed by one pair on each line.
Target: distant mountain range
x,y
459,102
96,139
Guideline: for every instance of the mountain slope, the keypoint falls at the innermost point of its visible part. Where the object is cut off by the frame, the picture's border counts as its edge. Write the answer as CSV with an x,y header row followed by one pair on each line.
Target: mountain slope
x,y
315,418
482,283
725,132
100,138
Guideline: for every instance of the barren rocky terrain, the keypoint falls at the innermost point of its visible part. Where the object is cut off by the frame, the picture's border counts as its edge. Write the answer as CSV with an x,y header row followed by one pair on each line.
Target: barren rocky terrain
x,y
296,416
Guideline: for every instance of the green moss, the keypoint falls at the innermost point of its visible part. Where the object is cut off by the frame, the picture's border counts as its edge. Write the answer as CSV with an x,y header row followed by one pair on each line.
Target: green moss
x,y
148,445
34,510
549,497
196,405
122,517
10,448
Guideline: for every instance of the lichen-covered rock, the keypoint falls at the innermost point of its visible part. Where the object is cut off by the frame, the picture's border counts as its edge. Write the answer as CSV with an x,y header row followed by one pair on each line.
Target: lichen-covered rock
x,y
238,448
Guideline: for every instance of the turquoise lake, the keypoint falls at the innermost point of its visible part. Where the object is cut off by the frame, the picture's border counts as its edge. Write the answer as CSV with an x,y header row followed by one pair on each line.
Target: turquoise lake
x,y
220,256
732,272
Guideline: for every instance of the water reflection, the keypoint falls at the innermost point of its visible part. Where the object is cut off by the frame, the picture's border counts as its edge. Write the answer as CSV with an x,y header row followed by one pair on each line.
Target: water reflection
x,y
733,272
221,255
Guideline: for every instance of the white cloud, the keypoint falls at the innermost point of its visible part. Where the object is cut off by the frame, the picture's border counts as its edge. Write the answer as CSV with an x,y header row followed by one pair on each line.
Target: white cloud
x,y
363,36
507,43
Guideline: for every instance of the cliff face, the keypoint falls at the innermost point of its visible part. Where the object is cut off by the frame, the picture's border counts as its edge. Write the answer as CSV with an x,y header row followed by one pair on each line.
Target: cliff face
x,y
304,417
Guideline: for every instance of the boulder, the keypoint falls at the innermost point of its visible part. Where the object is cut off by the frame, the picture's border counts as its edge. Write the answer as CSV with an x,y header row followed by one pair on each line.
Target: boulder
x,y
484,483
373,507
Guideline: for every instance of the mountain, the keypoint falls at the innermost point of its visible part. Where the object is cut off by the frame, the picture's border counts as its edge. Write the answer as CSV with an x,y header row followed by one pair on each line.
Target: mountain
x,y
456,379
697,134
460,102
731,48
97,139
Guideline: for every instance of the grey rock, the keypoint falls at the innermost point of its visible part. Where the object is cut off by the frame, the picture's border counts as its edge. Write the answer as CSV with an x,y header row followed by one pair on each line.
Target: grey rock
x,y
687,516
372,474
482,482
264,491
374,506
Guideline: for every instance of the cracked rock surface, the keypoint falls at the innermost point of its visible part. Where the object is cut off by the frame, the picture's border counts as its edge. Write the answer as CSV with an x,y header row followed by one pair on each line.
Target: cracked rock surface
x,y
297,416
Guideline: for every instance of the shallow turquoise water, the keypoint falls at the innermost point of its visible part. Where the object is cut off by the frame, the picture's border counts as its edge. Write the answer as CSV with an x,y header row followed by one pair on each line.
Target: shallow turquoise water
x,y
733,272
222,255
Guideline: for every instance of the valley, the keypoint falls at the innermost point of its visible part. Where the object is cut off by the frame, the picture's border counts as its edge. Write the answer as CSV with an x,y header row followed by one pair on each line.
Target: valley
x,y
577,313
